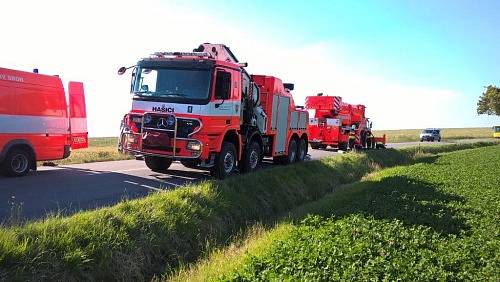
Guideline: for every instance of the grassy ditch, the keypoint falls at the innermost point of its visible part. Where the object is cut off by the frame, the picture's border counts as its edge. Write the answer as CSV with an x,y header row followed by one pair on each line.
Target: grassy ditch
x,y
435,220
136,239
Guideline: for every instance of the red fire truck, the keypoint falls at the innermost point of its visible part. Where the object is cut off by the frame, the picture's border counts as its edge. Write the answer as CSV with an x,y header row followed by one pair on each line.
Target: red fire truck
x,y
339,125
203,109
35,121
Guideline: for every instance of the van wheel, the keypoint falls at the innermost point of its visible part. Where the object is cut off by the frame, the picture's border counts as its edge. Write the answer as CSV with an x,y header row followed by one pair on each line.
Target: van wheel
x,y
292,152
157,164
225,162
301,150
252,158
17,163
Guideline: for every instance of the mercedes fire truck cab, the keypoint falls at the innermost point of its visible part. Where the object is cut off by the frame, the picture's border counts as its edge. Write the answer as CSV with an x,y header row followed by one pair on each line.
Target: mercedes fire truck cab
x,y
203,109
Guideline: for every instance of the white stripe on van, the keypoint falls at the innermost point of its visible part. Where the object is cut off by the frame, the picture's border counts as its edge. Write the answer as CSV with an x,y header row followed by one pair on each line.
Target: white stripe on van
x,y
17,124
78,125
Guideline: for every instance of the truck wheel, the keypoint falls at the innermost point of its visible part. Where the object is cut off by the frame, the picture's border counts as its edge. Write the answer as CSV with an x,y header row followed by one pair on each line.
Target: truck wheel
x,y
225,162
343,146
17,163
301,150
315,146
323,147
292,152
253,155
157,164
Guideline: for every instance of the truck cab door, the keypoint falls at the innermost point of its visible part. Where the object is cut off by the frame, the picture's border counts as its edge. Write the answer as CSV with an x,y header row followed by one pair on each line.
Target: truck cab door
x,y
77,116
226,105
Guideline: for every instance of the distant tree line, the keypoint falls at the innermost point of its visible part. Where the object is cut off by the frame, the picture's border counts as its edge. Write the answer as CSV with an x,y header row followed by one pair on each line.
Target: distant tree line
x,y
489,101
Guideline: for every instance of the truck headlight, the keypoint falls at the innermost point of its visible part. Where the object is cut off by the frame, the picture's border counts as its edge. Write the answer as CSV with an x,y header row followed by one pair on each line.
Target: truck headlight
x,y
193,145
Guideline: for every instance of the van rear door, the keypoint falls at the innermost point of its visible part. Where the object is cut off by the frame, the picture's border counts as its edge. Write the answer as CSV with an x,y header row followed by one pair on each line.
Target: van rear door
x,y
78,116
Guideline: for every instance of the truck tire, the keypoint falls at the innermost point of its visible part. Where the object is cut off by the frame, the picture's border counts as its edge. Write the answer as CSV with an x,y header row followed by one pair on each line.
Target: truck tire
x,y
315,146
252,157
292,152
343,146
301,150
17,163
157,164
225,162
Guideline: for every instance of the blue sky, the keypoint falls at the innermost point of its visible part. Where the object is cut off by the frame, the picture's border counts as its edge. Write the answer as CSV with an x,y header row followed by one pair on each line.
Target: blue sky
x,y
438,42
446,44
414,64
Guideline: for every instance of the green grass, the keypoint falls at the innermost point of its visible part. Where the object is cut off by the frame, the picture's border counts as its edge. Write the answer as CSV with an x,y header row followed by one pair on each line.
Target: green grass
x,y
103,142
105,148
100,149
137,239
410,135
435,220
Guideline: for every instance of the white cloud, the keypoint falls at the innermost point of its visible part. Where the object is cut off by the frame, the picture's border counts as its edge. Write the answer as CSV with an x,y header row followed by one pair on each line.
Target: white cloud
x,y
88,41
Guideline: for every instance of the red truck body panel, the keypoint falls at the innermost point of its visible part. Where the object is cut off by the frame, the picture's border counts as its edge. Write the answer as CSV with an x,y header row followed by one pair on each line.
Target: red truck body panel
x,y
33,110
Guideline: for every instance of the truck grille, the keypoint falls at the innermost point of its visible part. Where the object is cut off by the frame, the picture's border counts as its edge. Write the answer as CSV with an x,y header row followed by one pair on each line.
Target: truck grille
x,y
185,126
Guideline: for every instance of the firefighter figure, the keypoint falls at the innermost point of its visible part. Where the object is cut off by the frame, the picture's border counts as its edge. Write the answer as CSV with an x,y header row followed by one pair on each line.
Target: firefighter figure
x,y
352,138
370,140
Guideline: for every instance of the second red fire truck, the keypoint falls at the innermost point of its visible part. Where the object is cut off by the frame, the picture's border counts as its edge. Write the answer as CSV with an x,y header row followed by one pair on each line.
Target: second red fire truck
x,y
339,125
203,109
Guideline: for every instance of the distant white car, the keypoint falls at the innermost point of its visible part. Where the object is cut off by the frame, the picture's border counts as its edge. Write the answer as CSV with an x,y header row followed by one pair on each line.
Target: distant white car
x,y
430,134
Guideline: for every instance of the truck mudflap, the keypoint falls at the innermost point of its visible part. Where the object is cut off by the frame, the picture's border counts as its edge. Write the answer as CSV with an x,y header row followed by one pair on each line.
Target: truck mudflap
x,y
78,116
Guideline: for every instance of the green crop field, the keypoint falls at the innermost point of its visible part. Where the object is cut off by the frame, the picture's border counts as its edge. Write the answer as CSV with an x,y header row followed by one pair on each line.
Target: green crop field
x,y
447,134
435,220
168,232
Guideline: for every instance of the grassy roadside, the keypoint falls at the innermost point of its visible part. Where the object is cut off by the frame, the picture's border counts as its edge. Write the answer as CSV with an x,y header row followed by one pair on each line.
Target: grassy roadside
x,y
448,134
105,148
139,238
436,220
100,150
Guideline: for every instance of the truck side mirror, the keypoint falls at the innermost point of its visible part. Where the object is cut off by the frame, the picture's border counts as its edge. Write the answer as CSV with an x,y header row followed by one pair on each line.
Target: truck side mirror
x,y
122,70
289,86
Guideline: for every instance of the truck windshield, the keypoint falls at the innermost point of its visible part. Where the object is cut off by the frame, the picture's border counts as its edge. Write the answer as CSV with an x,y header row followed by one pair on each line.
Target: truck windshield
x,y
178,84
497,128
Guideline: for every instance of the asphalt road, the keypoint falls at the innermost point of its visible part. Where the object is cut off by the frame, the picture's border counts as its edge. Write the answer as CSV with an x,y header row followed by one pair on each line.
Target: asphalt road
x,y
71,188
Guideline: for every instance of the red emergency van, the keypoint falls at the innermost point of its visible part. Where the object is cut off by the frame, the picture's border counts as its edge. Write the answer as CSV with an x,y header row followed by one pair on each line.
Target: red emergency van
x,y
36,122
